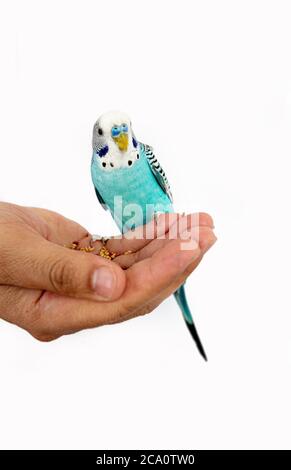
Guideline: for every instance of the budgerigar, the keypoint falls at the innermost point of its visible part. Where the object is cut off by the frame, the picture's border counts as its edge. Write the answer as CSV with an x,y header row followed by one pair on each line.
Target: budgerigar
x,y
126,174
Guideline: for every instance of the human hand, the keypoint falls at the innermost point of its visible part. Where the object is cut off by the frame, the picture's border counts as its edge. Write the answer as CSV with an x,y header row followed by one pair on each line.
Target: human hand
x,y
50,291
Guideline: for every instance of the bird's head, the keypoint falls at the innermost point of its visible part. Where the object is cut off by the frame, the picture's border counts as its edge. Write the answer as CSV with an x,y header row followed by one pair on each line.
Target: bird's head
x,y
114,141
113,126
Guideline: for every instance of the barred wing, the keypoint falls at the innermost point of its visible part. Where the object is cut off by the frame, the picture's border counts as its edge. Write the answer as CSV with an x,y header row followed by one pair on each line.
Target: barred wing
x,y
157,170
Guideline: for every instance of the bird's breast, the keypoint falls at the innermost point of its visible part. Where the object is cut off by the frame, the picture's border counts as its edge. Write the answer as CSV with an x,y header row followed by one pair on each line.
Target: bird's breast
x,y
131,191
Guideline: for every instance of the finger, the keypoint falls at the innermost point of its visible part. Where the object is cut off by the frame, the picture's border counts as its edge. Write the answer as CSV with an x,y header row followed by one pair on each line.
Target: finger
x,y
206,240
165,265
144,281
206,220
39,264
183,223
48,316
143,235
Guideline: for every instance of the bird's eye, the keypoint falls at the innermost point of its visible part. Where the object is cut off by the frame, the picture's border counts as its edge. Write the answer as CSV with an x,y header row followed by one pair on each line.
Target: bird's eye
x,y
100,132
115,131
124,127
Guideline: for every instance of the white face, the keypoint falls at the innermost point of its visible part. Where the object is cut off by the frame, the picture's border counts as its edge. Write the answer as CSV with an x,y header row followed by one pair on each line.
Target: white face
x,y
116,131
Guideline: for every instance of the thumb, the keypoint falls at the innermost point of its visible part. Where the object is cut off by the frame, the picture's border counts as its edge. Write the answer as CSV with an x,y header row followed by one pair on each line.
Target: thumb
x,y
51,267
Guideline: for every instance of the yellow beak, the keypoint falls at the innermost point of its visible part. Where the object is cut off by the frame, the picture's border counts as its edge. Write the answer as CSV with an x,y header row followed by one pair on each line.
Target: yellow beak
x,y
122,141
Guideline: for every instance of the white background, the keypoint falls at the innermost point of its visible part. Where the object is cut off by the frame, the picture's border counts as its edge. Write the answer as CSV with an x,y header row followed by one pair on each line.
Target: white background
x,y
208,84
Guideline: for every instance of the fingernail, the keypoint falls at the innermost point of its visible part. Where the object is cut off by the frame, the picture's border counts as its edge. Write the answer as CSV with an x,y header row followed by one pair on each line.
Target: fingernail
x,y
206,244
103,281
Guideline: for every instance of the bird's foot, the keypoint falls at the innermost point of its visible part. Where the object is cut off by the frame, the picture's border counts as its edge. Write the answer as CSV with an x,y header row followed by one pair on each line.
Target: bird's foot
x,y
100,238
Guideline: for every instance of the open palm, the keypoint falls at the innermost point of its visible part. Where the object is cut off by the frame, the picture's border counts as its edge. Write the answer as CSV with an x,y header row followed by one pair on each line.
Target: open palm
x,y
50,291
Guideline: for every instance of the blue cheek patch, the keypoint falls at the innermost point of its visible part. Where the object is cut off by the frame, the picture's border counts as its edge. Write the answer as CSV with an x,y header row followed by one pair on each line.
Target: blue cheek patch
x,y
134,142
102,152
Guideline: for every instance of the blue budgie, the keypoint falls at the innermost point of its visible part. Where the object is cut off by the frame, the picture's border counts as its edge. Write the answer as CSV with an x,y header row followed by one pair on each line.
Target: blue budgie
x,y
127,176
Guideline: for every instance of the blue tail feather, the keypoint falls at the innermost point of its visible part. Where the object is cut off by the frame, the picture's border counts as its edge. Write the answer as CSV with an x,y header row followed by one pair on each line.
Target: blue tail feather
x,y
181,299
